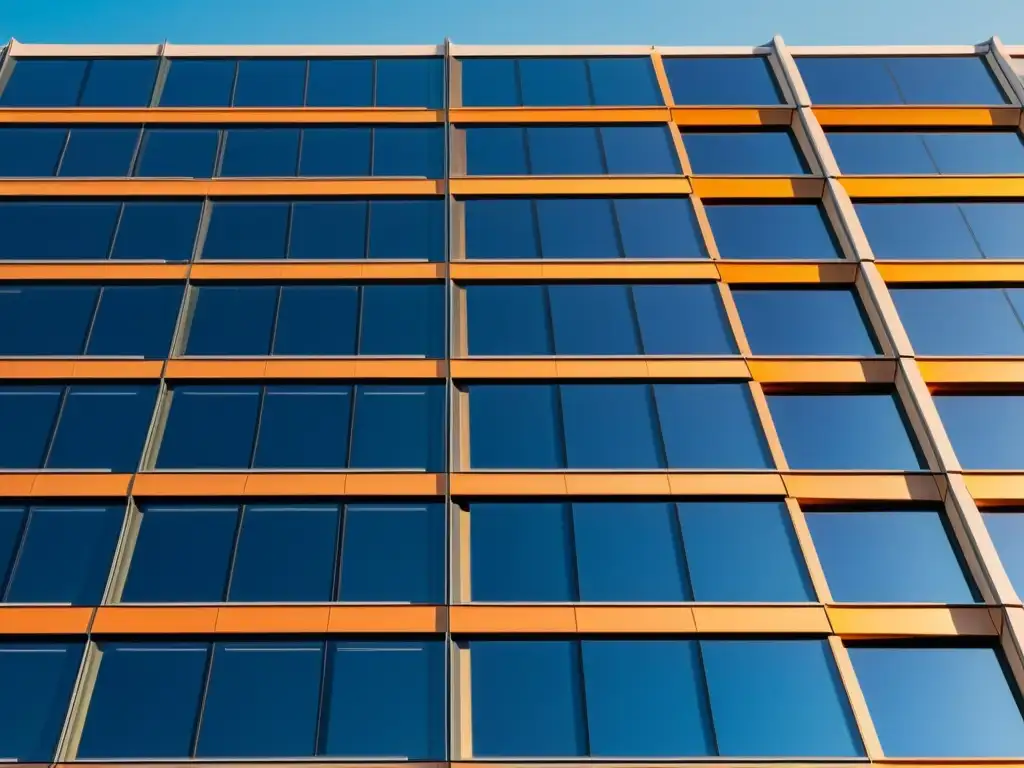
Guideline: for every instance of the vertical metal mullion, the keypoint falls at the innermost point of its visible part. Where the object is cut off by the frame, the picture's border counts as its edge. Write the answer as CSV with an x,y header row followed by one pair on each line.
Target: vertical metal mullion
x,y
234,84
569,510
259,423
659,436
635,314
277,318
289,224
204,693
85,79
591,94
449,402
233,557
373,147
360,305
56,424
706,689
321,702
583,696
64,151
137,153
602,150
305,86
92,320
339,552
7,578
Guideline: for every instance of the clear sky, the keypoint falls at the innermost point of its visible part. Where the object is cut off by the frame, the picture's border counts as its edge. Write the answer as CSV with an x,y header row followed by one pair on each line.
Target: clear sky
x,y
647,22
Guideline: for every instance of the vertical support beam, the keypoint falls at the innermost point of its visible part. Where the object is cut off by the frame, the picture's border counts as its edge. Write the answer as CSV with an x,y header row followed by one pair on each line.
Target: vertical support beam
x,y
882,310
805,541
450,87
787,64
924,417
662,77
1002,66
859,705
771,434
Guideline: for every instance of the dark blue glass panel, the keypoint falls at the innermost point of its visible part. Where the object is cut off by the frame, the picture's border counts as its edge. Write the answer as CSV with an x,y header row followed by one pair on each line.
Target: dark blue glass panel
x,y
721,80
178,153
119,83
209,427
772,231
610,426
565,151
1007,532
521,552
255,152
554,82
66,555
804,322
145,701
38,679
398,427
976,152
646,699
996,228
45,319
501,229
960,321
181,555
710,426
384,699
408,151
393,554
84,439
490,83
514,426
30,413
12,523
629,553
410,82
778,698
317,320
335,152
659,228
44,83
285,554
99,152
232,320
164,231
304,427
639,150
945,80
918,231
274,684
508,319
849,80
743,552
865,432
887,556
31,151
985,429
403,320
135,320
340,83
940,702
622,80
496,151
407,229
592,319
199,83
527,699
328,230
684,319
577,228
745,153
270,83
247,230
881,153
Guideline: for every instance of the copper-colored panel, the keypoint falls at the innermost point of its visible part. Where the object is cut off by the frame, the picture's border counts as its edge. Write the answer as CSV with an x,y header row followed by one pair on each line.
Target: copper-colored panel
x,y
709,117
189,484
642,619
98,271
861,486
195,368
933,186
823,371
118,369
37,369
769,619
169,619
584,115
382,270
504,369
995,488
400,369
50,620
467,271
295,484
276,618
283,368
600,369
221,115
92,485
588,185
16,485
917,621
420,484
720,368
756,273
487,618
391,618
219,187
945,272
487,270
508,484
749,187
972,371
632,484
234,270
727,484
907,116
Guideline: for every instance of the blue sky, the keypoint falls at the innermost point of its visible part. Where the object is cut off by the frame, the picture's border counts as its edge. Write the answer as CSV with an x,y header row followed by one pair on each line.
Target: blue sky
x,y
660,22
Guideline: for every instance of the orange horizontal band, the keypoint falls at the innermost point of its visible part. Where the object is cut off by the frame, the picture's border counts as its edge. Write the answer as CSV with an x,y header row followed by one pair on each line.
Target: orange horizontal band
x,y
928,117
755,187
581,185
600,369
468,271
933,186
80,368
979,271
861,486
63,485
971,371
996,488
822,371
284,187
916,621
351,368
278,484
225,115
696,117
98,271
756,273
284,271
48,620
588,115
543,484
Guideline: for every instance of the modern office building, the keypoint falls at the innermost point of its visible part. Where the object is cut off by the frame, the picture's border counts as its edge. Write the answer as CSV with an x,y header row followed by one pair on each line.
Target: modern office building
x,y
457,404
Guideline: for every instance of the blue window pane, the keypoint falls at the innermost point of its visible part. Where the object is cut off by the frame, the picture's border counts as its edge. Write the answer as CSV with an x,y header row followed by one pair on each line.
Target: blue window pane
x,y
745,153
554,82
119,83
514,427
145,701
773,231
164,231
1007,532
710,426
181,555
984,429
521,552
633,150
260,152
849,80
199,83
888,556
243,230
12,523
978,152
844,432
996,227
135,320
407,229
45,319
408,152
44,83
232,320
31,151
507,319
384,699
316,320
393,554
622,80
270,83
340,83
490,83
176,152
304,427
940,702
610,426
659,228
960,321
409,82
646,699
274,684
501,229
84,439
721,80
99,152
881,153
566,151
629,552
66,555
209,428
686,319
398,427
804,322
577,228
30,413
38,679
743,552
917,231
527,699
335,152
285,554
592,319
497,151
402,320
327,230
775,698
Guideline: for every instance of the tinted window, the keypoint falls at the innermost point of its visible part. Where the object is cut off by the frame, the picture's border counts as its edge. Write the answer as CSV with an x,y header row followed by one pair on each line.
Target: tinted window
x,y
58,231
209,428
408,152
135,320
29,412
962,321
83,439
402,320
340,83
232,320
410,82
978,152
335,152
398,427
329,230
99,152
513,426
45,320
745,153
610,426
164,231
247,230
506,319
119,83
270,83
31,151
593,320
1007,531
199,83
177,152
984,429
317,320
260,152
406,229
721,80
44,82
303,426
624,80
773,231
